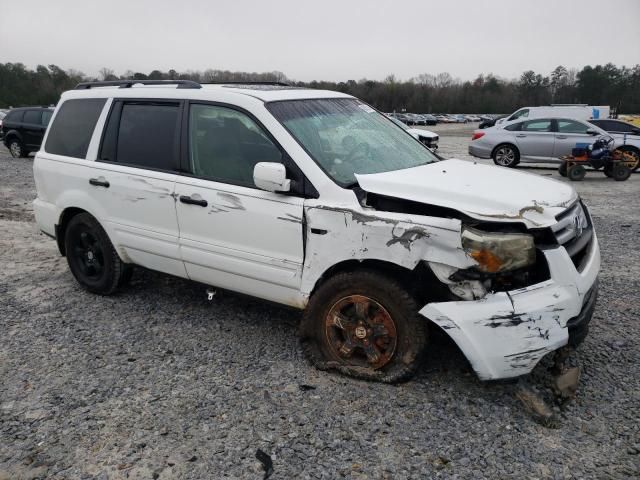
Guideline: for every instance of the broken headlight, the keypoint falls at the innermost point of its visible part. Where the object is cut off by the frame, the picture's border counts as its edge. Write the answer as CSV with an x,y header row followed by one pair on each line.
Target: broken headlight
x,y
498,252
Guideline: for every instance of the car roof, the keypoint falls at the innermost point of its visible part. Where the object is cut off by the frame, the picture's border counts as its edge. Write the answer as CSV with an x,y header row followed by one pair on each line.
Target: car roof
x,y
212,92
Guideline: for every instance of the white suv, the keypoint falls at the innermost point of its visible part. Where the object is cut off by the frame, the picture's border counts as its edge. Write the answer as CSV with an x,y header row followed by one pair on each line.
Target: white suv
x,y
315,200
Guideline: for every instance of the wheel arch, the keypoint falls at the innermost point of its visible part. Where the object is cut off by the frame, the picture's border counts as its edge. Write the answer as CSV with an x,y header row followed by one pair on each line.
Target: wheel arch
x,y
63,222
510,144
420,282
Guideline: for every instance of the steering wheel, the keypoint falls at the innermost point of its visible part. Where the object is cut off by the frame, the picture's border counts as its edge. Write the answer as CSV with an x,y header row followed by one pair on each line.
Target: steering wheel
x,y
361,151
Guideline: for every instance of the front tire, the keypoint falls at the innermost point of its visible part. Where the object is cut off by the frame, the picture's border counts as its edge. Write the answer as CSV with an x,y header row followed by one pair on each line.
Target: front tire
x,y
365,325
506,155
576,173
92,259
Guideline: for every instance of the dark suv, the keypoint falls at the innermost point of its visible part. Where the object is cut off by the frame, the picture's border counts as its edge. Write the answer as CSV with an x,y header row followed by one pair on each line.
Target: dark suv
x,y
23,129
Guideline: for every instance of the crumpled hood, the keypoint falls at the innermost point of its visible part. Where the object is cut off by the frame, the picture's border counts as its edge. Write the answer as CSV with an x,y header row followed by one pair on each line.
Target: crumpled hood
x,y
480,191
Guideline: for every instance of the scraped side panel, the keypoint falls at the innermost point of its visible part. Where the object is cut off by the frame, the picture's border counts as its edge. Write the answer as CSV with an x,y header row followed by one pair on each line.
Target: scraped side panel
x,y
335,235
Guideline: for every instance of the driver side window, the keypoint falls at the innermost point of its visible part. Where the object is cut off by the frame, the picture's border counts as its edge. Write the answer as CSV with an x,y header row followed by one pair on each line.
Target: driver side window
x,y
225,145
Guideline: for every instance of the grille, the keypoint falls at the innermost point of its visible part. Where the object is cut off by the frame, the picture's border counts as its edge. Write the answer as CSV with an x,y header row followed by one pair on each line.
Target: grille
x,y
574,231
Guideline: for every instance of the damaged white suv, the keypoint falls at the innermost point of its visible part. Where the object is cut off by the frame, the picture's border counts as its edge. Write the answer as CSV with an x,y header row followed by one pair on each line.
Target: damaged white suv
x,y
315,200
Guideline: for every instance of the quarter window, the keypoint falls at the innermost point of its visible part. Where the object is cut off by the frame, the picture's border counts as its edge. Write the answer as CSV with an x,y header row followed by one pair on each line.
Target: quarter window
x,y
143,135
537,126
71,131
569,126
524,113
32,116
225,145
46,117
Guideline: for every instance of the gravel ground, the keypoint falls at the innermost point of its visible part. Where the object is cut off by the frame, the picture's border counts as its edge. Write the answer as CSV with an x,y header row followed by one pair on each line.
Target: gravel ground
x,y
157,382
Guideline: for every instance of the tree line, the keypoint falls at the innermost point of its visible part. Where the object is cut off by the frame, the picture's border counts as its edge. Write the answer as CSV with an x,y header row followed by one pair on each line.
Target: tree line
x,y
607,84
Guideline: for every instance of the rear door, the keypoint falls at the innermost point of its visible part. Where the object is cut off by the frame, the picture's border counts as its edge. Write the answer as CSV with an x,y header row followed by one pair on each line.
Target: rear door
x,y
134,177
535,139
232,234
32,129
570,134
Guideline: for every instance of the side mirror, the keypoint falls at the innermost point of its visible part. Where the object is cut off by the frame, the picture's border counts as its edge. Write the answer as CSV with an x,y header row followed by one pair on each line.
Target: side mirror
x,y
591,131
635,131
271,176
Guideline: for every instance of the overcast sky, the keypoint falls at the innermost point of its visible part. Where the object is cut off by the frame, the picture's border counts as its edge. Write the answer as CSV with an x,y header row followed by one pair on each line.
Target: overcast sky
x,y
324,39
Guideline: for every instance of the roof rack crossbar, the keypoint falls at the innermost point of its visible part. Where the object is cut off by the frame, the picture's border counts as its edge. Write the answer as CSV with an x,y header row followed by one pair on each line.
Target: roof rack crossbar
x,y
130,83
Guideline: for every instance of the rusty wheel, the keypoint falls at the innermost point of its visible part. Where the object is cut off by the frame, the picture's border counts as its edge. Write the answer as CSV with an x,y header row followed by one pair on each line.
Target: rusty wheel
x,y
359,328
366,325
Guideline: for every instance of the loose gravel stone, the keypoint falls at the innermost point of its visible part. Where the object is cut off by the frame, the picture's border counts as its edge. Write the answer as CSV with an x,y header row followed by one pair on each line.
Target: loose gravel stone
x,y
157,382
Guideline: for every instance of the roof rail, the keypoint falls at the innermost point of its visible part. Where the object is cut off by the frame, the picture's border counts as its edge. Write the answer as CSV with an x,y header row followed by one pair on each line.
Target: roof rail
x,y
130,83
239,82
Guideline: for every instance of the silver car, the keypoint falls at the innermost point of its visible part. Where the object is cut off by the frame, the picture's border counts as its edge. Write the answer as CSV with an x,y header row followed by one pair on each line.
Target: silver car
x,y
537,140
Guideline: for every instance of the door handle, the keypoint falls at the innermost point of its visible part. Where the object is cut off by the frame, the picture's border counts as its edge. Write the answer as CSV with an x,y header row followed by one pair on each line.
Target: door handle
x,y
561,137
193,201
521,135
99,182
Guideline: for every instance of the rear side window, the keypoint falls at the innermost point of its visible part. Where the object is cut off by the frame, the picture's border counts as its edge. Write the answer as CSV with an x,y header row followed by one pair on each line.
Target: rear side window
x,y
569,126
32,116
143,135
537,126
71,131
515,127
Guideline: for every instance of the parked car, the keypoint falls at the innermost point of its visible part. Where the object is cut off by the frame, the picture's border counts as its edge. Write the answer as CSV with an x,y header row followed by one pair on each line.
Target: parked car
x,y
577,111
23,129
427,137
430,119
626,135
415,119
3,114
313,199
473,118
488,121
539,140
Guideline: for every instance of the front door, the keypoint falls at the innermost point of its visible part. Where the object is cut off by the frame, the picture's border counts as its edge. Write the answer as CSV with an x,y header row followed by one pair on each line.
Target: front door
x,y
232,234
569,135
535,139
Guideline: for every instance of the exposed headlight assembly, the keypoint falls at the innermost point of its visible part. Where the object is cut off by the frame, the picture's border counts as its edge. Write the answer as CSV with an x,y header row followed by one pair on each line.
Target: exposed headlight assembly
x,y
498,252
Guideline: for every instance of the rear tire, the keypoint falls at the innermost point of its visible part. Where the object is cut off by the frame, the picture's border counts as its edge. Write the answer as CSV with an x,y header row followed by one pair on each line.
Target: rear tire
x,y
92,259
621,172
16,148
506,155
365,325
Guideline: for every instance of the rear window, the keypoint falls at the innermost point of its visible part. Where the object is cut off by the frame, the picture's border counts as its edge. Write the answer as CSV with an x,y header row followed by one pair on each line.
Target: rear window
x,y
73,127
14,116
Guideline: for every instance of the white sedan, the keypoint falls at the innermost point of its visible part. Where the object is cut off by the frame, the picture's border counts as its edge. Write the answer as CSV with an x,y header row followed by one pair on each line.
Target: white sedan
x,y
427,137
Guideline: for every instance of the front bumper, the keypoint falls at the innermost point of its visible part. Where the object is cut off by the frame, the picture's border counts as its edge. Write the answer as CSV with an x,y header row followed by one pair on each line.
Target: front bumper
x,y
506,334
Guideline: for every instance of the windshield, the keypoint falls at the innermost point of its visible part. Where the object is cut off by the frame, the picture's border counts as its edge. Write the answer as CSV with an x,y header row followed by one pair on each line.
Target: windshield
x,y
345,136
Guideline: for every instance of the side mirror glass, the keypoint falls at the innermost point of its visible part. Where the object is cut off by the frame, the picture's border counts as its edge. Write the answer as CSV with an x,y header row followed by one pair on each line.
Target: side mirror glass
x,y
271,176
591,131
